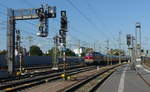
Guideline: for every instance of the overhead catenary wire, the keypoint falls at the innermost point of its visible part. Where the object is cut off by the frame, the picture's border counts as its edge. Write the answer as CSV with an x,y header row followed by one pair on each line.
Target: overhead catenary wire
x,y
90,6
98,18
73,29
85,17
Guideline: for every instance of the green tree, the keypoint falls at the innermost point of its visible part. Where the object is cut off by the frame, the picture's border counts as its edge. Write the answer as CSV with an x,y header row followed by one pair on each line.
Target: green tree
x,y
3,52
89,50
70,52
116,52
35,51
52,50
83,54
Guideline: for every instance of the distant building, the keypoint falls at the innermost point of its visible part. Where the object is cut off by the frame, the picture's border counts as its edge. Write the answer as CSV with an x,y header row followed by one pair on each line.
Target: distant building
x,y
79,51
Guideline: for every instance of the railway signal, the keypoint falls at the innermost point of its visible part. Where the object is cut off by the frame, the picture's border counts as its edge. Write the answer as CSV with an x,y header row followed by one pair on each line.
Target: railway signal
x,y
128,39
131,41
64,21
19,50
18,40
42,13
62,38
63,30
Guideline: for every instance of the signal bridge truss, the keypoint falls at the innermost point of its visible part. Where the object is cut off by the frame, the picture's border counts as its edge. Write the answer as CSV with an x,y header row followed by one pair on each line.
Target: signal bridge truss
x,y
42,13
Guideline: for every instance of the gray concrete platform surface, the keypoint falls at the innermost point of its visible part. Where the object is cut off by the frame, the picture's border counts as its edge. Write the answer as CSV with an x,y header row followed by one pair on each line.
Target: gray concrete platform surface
x,y
127,80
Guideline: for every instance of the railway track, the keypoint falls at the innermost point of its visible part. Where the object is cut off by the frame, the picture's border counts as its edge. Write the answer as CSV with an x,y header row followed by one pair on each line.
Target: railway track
x,y
34,74
14,86
92,82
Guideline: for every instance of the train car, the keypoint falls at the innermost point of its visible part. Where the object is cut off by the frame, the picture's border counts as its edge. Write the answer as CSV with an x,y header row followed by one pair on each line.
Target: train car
x,y
93,58
39,61
98,58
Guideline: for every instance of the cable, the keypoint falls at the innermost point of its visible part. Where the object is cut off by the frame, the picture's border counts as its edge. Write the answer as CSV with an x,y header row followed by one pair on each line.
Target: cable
x,y
85,17
90,21
95,13
83,34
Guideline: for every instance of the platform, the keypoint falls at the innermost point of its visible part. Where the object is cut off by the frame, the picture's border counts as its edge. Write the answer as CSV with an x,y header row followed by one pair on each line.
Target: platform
x,y
127,80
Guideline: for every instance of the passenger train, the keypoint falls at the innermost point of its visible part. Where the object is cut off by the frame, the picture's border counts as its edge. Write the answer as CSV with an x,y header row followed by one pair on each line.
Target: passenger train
x,y
98,58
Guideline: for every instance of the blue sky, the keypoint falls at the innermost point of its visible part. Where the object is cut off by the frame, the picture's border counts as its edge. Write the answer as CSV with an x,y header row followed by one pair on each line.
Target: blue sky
x,y
106,19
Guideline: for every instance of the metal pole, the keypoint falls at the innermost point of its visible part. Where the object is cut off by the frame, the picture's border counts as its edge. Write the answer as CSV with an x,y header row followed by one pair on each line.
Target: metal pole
x,y
11,41
133,56
55,58
64,60
30,41
94,46
129,52
138,39
79,49
55,66
19,49
111,59
20,61
63,38
119,47
138,43
107,52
